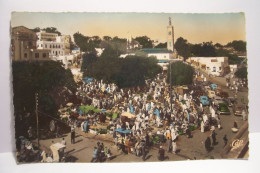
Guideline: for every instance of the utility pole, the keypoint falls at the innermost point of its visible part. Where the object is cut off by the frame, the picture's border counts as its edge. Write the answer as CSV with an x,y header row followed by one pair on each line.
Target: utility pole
x,y
170,85
37,119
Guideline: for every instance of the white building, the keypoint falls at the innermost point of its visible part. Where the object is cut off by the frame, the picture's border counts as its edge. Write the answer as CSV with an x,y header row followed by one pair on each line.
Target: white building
x,y
216,66
57,45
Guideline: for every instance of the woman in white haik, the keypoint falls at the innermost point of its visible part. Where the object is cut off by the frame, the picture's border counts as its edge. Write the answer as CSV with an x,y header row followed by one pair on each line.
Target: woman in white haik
x,y
202,127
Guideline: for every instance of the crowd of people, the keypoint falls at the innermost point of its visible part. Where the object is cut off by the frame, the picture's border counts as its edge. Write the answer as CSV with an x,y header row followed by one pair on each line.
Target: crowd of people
x,y
154,112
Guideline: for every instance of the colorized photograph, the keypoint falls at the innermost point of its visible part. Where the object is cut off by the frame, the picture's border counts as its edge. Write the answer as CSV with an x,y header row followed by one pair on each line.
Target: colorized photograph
x,y
129,87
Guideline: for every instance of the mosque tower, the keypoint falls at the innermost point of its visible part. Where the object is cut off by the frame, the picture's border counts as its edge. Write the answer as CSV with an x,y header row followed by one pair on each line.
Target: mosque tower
x,y
170,36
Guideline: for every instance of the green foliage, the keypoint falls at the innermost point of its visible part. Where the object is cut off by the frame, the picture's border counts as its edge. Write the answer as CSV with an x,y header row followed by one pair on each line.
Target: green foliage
x,y
118,45
37,29
238,45
89,109
155,140
232,59
40,77
149,97
204,50
192,127
241,73
128,72
86,44
182,74
145,41
88,60
161,45
182,47
52,30
135,70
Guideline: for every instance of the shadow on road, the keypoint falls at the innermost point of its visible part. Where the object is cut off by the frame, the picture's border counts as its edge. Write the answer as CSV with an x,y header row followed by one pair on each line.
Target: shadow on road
x,y
78,150
113,157
148,157
78,141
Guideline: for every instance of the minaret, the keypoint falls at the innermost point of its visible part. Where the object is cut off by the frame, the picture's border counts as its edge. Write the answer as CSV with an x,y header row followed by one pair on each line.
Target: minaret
x,y
170,36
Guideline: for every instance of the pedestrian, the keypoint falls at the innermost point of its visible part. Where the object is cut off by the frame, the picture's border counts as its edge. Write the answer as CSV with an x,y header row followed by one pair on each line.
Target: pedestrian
x,y
213,135
72,135
161,153
244,115
143,151
225,140
63,142
174,146
94,158
169,142
207,144
30,133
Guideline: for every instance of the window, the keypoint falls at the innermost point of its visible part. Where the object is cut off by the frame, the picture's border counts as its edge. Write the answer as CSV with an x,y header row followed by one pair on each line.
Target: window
x,y
25,55
45,45
214,69
219,68
50,45
36,55
44,55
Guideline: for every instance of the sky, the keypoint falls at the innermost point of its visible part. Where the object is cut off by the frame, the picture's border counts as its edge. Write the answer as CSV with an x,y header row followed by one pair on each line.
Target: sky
x,y
196,28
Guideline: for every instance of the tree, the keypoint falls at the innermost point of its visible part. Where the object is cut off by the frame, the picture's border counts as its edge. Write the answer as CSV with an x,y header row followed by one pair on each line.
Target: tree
x,y
114,47
37,29
87,62
182,47
238,45
241,73
107,38
232,58
131,71
182,74
161,45
85,43
37,77
145,41
52,30
206,49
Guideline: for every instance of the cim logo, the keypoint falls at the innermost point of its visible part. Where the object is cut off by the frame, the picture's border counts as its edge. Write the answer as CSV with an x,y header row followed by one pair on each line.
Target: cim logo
x,y
236,144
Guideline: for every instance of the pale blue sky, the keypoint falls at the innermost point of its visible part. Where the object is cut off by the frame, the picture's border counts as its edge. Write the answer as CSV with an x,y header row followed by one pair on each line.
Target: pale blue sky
x,y
196,28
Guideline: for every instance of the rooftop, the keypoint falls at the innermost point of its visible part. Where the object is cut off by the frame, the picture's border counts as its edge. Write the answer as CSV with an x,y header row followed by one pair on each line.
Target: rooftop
x,y
156,50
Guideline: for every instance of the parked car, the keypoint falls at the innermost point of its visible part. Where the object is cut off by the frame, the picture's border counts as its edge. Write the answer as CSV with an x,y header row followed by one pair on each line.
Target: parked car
x,y
204,100
213,86
211,94
237,109
223,109
217,100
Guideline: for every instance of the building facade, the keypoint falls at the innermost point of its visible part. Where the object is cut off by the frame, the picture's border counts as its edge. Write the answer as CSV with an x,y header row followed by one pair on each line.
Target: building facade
x,y
23,45
57,45
216,66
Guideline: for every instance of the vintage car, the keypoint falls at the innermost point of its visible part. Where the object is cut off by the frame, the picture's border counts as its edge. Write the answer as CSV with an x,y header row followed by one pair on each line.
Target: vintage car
x,y
213,86
238,109
204,100
223,109
211,94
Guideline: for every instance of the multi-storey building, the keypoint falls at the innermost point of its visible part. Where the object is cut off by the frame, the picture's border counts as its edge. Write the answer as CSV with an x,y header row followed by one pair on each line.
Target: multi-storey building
x,y
58,45
23,45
